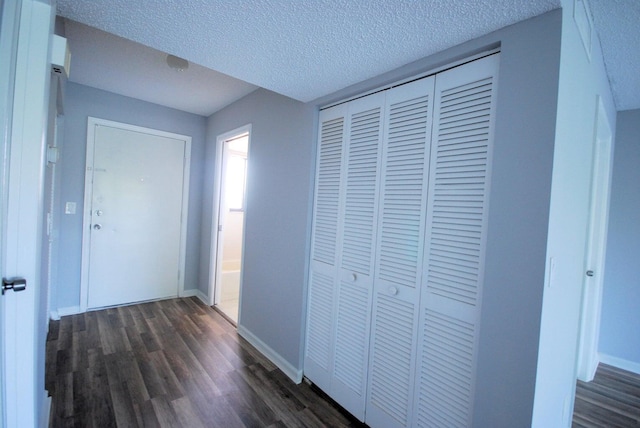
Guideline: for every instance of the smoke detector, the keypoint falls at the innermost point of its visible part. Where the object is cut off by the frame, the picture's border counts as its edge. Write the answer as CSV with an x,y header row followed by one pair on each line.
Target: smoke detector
x,y
177,63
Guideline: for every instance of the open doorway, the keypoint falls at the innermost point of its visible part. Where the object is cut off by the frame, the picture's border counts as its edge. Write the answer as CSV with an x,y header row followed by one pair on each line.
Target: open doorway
x,y
230,230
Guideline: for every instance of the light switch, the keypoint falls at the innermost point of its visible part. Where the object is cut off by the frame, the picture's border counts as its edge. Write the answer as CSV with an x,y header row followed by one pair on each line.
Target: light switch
x,y
70,208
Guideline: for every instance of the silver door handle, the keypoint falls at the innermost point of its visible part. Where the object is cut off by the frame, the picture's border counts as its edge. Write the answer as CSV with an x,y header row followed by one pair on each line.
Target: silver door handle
x,y
97,226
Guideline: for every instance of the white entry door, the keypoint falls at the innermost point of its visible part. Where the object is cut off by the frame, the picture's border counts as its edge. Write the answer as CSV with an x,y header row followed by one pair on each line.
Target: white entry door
x,y
136,178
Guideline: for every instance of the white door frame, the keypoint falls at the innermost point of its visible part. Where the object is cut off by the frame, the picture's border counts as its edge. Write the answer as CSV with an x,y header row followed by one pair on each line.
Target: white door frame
x,y
23,350
596,247
215,262
92,122
9,16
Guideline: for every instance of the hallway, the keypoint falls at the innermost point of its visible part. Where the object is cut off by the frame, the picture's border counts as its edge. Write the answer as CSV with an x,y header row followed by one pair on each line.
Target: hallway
x,y
171,363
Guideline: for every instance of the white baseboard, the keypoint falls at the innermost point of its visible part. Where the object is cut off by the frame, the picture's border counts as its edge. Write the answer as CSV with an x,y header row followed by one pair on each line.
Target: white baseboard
x,y
196,293
288,369
190,293
621,363
45,412
63,312
203,297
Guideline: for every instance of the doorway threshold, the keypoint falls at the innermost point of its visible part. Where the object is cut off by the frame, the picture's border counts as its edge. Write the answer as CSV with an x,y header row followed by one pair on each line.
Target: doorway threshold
x,y
227,317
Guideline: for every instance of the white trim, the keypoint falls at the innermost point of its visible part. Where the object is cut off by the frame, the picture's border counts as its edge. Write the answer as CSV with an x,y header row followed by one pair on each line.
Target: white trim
x,y
197,293
423,75
621,363
287,368
45,412
23,229
203,297
69,310
190,293
212,290
596,246
582,19
92,122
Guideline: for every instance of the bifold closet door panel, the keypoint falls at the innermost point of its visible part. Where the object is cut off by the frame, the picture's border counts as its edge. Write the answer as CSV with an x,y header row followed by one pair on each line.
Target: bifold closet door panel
x,y
399,254
456,234
323,273
343,245
356,261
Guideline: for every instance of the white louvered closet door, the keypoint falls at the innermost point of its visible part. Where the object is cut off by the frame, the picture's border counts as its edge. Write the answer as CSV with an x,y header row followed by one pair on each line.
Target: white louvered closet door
x,y
455,242
343,246
356,262
399,255
318,362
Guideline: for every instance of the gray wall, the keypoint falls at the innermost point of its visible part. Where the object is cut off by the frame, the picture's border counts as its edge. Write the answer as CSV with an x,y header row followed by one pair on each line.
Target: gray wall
x,y
518,219
278,206
620,314
81,102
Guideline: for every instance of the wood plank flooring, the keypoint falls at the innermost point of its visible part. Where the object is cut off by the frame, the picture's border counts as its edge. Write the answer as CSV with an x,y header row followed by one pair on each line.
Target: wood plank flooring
x,y
612,399
173,363
179,363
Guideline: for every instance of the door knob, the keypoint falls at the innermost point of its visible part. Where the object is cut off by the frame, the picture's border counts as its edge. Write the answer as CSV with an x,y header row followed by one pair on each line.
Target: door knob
x,y
97,226
99,213
15,284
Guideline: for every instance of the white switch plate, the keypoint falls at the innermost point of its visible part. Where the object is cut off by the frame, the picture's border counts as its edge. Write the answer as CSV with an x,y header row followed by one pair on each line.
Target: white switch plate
x,y
552,272
70,208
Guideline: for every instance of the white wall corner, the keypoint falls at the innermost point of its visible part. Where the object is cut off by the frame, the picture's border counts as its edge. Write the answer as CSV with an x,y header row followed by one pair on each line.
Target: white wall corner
x,y
287,368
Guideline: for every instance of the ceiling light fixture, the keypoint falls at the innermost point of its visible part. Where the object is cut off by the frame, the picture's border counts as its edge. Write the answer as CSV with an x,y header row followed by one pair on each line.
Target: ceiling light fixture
x,y
177,63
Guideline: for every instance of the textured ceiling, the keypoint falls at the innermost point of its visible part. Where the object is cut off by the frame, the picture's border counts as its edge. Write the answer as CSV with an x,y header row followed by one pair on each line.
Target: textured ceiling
x,y
618,25
302,49
308,49
108,62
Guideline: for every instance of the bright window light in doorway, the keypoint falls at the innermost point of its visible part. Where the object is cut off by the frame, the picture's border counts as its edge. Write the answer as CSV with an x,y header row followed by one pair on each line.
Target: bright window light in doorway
x,y
236,177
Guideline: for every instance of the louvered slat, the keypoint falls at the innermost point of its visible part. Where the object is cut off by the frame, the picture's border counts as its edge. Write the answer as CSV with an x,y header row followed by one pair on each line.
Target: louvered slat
x,y
402,192
457,170
444,388
361,180
392,350
323,272
328,191
456,235
357,246
320,322
351,337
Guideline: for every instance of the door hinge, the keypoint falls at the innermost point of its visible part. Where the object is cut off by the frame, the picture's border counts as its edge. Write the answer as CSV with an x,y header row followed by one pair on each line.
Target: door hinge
x,y
15,284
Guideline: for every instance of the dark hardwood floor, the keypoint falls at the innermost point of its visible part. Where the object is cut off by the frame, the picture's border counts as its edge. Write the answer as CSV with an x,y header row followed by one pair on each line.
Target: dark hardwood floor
x,y
173,363
612,399
179,363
